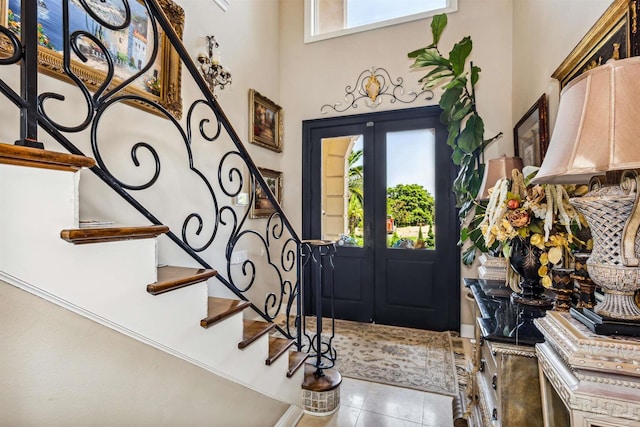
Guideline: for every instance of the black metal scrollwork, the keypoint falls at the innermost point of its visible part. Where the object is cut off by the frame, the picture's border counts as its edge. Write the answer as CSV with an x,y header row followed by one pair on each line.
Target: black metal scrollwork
x,y
205,121
372,86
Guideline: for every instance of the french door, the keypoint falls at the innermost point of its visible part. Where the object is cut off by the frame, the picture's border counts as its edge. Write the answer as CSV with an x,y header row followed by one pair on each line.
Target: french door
x,y
379,185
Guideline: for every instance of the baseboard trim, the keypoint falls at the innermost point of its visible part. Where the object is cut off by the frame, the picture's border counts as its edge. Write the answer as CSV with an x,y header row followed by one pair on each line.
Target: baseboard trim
x,y
467,331
291,417
27,287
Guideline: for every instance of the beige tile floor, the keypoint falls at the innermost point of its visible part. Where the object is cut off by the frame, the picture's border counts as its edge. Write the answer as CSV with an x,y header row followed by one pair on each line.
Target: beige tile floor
x,y
367,404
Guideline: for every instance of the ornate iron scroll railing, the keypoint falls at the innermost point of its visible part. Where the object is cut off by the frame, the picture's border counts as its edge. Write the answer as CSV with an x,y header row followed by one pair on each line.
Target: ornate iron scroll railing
x,y
235,172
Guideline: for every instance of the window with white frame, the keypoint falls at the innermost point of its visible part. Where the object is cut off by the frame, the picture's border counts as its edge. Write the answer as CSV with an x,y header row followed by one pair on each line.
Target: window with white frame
x,y
332,18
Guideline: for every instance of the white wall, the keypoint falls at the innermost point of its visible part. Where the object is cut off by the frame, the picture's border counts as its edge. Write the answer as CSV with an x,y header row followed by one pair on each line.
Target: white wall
x,y
59,368
544,32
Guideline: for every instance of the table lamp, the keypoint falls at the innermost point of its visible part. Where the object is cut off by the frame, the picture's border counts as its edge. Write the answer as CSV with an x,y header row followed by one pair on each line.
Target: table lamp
x,y
597,138
495,170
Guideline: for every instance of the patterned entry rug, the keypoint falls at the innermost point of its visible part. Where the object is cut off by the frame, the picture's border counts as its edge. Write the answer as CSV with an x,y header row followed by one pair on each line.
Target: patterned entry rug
x,y
404,357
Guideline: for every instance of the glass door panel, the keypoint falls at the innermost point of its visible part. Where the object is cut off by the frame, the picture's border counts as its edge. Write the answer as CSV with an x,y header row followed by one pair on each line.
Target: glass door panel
x,y
411,189
343,190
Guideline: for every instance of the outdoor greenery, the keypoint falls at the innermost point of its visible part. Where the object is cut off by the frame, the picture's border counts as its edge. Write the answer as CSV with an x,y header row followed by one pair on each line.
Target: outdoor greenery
x,y
465,127
410,204
356,192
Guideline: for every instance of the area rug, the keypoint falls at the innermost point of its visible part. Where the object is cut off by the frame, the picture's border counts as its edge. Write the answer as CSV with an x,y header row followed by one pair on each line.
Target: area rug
x,y
404,357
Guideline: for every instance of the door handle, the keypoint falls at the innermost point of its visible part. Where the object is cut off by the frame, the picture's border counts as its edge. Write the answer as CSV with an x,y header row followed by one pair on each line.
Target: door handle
x,y
367,235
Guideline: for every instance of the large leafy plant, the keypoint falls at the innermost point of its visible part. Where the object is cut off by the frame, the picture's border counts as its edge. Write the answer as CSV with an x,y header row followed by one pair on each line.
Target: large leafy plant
x,y
465,126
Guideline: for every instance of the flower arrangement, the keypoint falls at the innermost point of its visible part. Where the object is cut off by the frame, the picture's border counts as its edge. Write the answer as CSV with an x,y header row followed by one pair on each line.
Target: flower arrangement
x,y
540,213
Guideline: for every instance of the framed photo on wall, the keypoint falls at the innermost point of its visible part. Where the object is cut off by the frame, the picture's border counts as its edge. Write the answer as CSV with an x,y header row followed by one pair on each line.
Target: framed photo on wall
x,y
531,134
261,206
265,122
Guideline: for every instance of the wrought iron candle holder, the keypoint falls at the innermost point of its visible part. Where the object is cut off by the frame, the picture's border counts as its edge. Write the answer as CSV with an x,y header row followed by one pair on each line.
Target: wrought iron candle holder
x,y
212,71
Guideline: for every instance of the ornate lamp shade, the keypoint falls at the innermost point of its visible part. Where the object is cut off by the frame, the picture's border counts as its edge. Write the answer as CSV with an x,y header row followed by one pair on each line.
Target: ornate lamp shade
x,y
597,132
598,126
497,169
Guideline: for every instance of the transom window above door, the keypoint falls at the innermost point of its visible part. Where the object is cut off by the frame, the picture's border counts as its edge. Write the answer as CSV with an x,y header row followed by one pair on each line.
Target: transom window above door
x,y
333,18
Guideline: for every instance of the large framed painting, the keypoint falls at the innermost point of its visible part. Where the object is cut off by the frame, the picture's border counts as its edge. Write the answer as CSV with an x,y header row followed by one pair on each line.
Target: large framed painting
x,y
614,36
265,122
128,48
531,134
261,207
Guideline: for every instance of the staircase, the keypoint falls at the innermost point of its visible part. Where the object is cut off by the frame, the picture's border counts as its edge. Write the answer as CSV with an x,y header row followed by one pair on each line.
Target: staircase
x,y
110,274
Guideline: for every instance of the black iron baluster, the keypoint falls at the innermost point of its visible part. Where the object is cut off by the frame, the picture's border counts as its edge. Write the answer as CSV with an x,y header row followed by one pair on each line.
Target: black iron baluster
x,y
316,251
29,76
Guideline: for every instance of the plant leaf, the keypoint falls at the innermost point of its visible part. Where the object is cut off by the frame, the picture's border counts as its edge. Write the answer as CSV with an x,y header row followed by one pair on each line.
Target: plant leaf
x,y
428,58
457,155
459,54
470,138
460,110
469,255
438,25
475,74
450,97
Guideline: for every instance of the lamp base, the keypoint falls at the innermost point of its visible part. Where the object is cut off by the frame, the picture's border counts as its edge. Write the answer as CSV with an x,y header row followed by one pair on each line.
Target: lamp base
x,y
603,326
618,305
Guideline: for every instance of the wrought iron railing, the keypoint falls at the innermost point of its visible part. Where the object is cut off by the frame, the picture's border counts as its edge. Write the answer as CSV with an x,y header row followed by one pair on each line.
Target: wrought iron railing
x,y
228,222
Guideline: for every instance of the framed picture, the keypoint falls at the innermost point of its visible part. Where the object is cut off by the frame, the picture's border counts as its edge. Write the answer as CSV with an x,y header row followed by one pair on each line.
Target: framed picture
x,y
261,207
531,134
128,48
265,122
614,35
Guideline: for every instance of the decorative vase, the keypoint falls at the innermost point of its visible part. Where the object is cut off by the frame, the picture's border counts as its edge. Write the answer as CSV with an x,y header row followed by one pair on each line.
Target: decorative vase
x,y
562,285
586,287
531,301
525,260
613,261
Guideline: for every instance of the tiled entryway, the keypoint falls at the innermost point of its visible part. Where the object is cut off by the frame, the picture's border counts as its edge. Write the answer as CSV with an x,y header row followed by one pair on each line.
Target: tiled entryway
x,y
367,404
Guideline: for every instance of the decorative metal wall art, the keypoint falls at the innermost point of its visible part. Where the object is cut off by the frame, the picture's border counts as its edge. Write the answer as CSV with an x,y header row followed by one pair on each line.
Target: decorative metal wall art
x,y
372,85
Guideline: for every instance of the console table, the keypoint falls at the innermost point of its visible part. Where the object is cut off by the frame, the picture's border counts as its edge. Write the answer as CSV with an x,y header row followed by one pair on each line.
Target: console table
x,y
587,379
503,387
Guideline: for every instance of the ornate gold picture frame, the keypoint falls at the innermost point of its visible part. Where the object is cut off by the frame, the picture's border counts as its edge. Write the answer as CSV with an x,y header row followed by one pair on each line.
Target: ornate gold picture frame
x,y
261,206
265,122
615,35
163,82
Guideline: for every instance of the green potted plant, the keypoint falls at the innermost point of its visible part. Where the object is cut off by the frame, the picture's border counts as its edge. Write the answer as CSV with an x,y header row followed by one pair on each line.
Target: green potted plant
x,y
464,124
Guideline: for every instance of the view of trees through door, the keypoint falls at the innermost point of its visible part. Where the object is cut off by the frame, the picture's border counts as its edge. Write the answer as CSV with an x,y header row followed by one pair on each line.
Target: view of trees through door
x,y
410,201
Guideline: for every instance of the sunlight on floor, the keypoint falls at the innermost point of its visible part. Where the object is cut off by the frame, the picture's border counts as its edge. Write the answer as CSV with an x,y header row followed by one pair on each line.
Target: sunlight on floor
x,y
367,404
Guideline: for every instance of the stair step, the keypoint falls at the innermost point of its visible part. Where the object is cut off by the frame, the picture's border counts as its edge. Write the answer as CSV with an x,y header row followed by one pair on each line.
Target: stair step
x,y
100,234
221,308
252,330
277,347
296,360
44,159
170,278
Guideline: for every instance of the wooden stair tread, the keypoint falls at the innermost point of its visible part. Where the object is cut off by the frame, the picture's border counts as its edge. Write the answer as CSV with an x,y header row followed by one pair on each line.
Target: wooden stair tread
x,y
277,347
221,308
44,159
252,330
296,360
170,278
114,233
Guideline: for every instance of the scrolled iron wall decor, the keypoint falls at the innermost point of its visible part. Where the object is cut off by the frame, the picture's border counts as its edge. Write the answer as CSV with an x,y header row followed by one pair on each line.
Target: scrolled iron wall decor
x,y
372,85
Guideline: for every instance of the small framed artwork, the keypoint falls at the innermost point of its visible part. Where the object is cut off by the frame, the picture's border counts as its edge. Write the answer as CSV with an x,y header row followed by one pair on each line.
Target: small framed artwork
x,y
261,206
265,122
531,134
